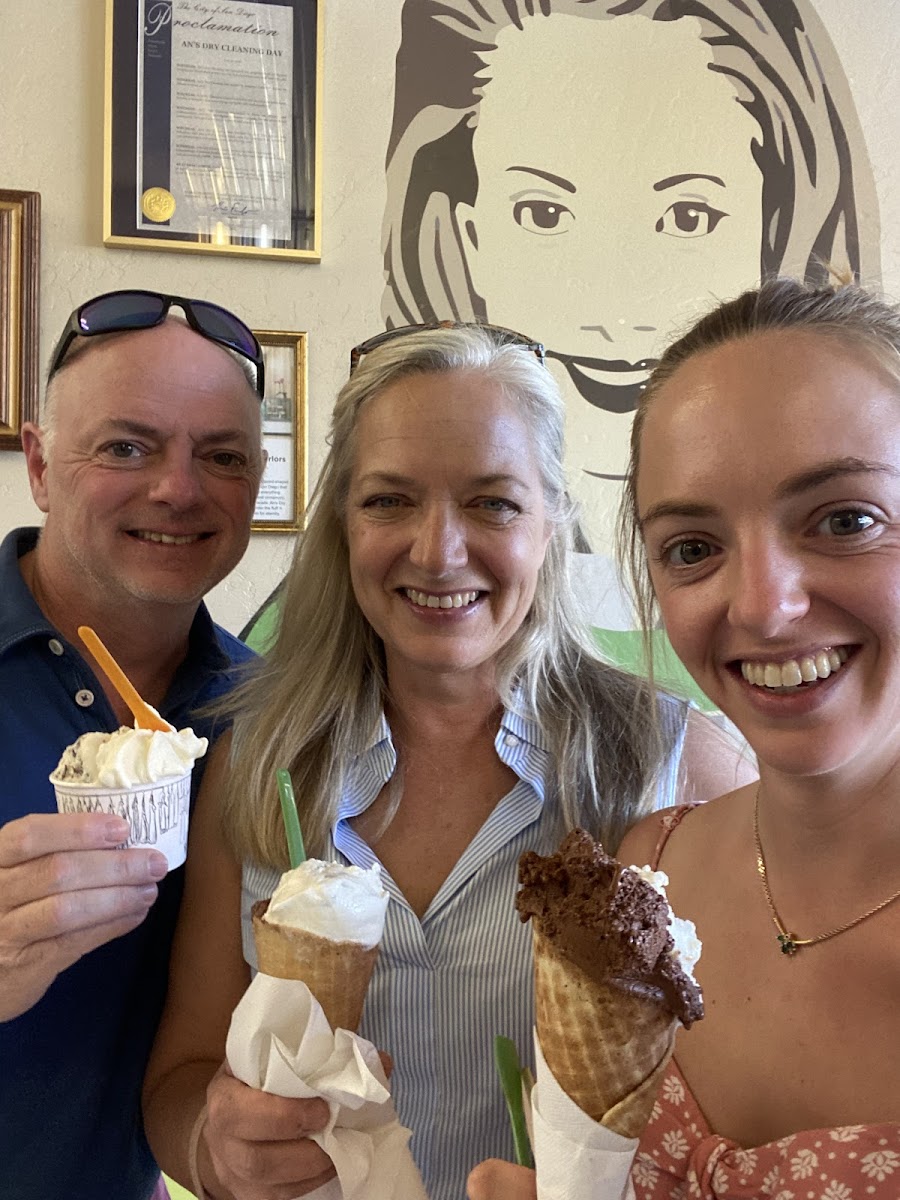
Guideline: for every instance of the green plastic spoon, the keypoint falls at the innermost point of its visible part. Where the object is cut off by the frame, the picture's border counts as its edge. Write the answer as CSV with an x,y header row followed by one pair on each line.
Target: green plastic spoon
x,y
506,1058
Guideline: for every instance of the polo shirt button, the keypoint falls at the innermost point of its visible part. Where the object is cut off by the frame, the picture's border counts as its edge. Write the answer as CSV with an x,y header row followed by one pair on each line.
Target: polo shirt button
x,y
56,646
510,740
84,698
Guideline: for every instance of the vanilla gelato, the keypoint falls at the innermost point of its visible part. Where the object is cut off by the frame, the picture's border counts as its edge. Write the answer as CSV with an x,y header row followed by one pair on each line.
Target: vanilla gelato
x,y
684,933
328,900
128,757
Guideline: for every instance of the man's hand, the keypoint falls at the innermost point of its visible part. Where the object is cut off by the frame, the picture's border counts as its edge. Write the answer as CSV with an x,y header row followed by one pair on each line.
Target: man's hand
x,y
496,1180
259,1144
64,891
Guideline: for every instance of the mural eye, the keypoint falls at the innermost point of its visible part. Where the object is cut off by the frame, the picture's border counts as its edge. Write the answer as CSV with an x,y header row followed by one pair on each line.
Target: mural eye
x,y
689,219
542,216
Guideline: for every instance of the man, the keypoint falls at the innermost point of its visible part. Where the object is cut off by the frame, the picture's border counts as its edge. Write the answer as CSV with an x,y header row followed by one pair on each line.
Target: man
x,y
147,466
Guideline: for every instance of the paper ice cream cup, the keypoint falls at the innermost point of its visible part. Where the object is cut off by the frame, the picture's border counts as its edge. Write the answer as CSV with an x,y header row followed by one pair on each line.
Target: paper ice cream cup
x,y
157,813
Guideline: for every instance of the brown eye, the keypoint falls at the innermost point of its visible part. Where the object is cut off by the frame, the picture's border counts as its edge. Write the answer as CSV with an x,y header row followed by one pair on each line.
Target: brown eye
x,y
542,216
689,553
689,219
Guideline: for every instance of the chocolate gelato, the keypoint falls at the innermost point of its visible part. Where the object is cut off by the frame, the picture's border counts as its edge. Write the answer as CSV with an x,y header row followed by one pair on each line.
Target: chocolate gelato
x,y
608,922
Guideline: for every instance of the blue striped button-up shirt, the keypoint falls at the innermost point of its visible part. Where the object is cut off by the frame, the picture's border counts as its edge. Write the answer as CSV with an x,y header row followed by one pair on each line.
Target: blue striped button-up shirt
x,y
445,985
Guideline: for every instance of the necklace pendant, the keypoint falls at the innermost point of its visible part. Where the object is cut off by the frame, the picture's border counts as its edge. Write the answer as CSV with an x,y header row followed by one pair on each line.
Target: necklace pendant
x,y
788,945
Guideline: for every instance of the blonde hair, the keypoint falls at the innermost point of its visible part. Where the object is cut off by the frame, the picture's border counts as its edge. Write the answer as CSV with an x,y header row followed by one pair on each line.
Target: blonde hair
x,y
318,697
843,311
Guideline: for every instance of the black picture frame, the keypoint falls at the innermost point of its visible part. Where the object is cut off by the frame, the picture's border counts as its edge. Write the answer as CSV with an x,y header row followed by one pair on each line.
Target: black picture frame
x,y
160,52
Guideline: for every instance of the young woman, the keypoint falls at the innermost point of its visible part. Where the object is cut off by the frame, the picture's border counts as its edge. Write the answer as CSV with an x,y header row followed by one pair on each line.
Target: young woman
x,y
763,519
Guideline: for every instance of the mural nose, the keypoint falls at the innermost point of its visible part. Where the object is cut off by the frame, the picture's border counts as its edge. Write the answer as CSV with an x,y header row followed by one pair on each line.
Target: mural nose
x,y
601,329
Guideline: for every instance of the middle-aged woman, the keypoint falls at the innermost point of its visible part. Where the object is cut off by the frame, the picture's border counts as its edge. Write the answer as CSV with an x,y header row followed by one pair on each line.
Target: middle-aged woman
x,y
763,512
442,709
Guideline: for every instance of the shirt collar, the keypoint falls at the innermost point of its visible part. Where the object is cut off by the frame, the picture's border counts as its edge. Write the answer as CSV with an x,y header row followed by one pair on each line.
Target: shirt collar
x,y
517,740
20,616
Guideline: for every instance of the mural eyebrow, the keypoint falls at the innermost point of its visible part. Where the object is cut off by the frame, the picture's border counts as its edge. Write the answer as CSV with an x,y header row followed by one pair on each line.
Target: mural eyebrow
x,y
557,179
672,180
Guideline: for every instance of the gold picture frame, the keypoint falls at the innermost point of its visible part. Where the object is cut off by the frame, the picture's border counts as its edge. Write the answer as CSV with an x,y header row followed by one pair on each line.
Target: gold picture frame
x,y
20,252
212,127
281,504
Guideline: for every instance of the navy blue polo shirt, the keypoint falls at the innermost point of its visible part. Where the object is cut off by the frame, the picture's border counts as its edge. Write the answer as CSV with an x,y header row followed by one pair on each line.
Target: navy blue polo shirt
x,y
71,1068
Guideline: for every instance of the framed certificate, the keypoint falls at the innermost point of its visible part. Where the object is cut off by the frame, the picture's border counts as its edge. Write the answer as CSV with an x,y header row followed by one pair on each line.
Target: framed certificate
x,y
281,503
20,248
212,117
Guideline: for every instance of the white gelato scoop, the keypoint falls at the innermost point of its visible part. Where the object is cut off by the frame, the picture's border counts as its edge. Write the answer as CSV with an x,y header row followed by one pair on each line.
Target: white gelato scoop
x,y
128,757
343,904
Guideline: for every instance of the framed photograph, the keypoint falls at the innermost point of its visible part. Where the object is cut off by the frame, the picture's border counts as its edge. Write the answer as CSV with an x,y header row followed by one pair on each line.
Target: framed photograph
x,y
212,122
281,504
20,252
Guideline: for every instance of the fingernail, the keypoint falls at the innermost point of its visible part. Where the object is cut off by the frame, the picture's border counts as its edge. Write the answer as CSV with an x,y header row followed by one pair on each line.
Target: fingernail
x,y
116,830
148,893
157,866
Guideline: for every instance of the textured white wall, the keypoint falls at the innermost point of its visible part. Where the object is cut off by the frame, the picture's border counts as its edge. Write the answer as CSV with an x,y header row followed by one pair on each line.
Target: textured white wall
x,y
51,141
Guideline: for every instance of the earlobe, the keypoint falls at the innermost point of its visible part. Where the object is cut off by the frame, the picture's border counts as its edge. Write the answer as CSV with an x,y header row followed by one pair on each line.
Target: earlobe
x,y
33,445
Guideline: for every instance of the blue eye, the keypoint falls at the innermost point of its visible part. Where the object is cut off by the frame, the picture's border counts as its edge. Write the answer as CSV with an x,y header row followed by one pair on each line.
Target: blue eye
x,y
123,450
382,502
228,460
846,522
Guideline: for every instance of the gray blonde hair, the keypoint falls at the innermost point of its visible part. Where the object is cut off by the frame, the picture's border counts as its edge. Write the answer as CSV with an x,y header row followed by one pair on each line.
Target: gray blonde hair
x,y
776,55
843,311
318,696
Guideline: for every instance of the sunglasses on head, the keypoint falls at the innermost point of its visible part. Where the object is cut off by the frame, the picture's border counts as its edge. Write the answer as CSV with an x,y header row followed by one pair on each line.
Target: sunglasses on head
x,y
500,335
117,312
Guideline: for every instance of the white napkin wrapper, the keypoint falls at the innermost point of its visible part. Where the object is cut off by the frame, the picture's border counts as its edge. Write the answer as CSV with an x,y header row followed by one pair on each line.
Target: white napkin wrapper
x,y
280,1042
576,1158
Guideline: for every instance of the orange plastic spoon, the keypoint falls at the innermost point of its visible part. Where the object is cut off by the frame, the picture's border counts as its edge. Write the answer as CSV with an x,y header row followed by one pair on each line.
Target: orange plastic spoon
x,y
144,716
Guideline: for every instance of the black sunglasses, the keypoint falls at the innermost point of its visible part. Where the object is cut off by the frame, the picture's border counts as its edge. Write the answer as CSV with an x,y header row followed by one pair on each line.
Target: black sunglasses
x,y
116,312
500,334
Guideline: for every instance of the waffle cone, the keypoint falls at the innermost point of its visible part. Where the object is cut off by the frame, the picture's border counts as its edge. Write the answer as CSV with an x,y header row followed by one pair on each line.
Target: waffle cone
x,y
608,1049
337,973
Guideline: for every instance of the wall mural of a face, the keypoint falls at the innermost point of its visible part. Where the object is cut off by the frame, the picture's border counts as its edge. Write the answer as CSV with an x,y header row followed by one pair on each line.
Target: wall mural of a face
x,y
597,175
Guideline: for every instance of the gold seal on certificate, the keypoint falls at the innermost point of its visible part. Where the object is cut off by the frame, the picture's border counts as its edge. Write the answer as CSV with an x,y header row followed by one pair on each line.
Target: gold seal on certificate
x,y
157,204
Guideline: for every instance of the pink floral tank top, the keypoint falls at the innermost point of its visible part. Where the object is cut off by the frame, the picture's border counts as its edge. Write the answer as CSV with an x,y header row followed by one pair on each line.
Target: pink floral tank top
x,y
680,1158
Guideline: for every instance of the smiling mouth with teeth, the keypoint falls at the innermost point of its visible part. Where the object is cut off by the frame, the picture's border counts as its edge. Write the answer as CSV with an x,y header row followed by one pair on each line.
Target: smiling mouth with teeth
x,y
452,600
167,539
796,672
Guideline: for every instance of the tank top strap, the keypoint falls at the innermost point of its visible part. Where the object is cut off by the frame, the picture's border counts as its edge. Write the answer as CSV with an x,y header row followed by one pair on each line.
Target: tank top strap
x,y
669,822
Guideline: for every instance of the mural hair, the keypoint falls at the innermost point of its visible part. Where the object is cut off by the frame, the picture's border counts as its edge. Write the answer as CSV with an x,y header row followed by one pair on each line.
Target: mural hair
x,y
777,57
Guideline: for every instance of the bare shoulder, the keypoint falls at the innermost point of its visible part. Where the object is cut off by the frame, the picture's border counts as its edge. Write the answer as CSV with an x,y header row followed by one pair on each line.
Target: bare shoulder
x,y
639,843
715,760
709,832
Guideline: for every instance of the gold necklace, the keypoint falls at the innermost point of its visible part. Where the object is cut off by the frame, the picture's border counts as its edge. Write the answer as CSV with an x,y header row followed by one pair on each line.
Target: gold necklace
x,y
789,942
